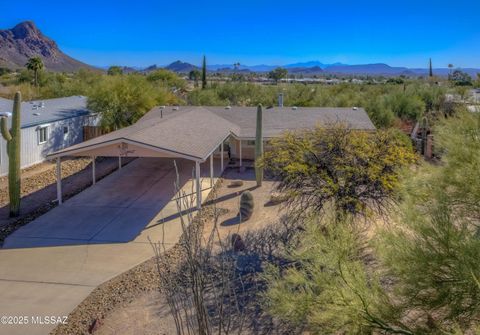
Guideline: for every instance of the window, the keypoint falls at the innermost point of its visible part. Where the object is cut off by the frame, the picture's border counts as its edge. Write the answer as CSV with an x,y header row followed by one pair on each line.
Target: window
x,y
250,143
42,135
65,130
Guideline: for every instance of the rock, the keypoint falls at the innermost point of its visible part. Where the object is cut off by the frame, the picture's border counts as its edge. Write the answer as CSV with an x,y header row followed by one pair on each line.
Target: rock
x,y
277,198
94,326
236,183
237,243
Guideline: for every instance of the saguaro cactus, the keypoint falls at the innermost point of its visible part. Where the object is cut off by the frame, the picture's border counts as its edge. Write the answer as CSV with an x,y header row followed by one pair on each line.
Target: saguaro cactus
x,y
259,146
12,137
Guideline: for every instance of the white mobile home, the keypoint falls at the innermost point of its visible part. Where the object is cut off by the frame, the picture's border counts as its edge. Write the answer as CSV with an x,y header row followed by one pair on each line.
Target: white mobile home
x,y
47,126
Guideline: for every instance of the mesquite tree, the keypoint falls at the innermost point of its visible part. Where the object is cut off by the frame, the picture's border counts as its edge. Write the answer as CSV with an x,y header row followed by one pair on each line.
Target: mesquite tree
x,y
12,137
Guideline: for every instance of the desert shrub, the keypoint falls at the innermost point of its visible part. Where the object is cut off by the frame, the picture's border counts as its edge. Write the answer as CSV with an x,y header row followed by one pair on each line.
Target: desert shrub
x,y
122,100
167,78
380,114
354,171
406,106
330,288
434,250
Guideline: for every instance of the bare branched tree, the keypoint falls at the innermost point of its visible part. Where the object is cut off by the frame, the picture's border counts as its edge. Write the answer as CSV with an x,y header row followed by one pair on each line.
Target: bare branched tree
x,y
203,287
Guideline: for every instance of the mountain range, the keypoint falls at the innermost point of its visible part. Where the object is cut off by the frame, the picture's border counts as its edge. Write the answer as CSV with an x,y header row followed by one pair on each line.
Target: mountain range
x,y
25,40
318,68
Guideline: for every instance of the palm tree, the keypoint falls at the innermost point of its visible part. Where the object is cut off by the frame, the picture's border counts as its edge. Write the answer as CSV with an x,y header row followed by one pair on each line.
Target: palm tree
x,y
35,64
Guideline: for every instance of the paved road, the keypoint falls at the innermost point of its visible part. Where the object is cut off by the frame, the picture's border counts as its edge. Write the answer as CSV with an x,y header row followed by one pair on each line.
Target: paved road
x,y
55,261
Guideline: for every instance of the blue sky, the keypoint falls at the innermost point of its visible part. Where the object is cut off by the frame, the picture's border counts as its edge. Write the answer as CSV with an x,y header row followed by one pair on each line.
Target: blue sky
x,y
145,32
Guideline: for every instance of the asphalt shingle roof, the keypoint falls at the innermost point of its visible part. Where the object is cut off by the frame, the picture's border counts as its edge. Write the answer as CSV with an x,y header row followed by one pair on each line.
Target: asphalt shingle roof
x,y
197,131
50,110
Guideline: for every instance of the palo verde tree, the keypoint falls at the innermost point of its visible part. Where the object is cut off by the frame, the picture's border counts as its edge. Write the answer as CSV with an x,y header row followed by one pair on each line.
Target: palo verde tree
x,y
35,64
353,171
12,137
122,100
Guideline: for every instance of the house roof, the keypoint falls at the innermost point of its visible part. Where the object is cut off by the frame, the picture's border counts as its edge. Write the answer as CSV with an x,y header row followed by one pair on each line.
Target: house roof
x,y
195,132
277,120
49,110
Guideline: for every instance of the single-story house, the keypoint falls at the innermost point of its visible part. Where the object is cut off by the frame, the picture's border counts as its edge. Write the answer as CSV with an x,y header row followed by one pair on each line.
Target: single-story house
x,y
47,126
199,133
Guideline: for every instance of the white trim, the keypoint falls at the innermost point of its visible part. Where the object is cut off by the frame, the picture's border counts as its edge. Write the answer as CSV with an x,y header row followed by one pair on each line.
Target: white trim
x,y
216,147
123,140
198,186
211,170
39,130
94,175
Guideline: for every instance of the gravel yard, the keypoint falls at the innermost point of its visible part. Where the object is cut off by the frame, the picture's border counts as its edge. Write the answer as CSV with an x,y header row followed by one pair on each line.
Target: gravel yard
x,y
131,303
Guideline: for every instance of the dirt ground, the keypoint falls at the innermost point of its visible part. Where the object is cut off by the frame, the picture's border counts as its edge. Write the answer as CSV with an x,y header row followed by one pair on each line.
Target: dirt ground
x,y
38,188
148,313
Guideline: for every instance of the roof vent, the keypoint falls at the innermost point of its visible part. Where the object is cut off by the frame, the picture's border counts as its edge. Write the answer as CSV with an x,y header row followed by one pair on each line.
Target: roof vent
x,y
161,107
175,108
36,114
228,107
355,108
294,108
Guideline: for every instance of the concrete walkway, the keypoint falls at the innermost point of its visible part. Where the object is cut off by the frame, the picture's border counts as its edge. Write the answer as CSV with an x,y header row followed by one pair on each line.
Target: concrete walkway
x,y
58,259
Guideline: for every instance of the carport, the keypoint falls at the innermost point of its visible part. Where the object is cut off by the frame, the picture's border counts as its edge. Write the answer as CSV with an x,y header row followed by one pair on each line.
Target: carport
x,y
178,135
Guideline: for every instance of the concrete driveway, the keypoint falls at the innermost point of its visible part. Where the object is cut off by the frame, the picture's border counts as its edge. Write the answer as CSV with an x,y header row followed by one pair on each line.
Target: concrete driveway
x,y
55,261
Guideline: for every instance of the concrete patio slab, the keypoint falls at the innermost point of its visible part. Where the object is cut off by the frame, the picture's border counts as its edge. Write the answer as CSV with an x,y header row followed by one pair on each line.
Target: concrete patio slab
x,y
116,209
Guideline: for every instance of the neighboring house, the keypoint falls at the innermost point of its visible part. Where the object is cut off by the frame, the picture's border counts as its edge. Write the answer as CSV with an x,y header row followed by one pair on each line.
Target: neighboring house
x,y
47,126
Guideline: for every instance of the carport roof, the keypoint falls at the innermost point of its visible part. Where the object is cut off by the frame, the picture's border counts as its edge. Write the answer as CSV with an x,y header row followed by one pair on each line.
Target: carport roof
x,y
195,132
190,134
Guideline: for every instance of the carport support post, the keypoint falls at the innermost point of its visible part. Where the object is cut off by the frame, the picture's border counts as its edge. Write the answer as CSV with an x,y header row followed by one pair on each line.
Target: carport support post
x,y
94,179
240,141
197,185
119,162
59,180
211,170
221,157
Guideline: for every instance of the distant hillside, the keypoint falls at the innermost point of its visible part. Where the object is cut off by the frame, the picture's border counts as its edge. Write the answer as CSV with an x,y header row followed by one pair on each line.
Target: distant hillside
x,y
25,40
181,67
368,69
305,70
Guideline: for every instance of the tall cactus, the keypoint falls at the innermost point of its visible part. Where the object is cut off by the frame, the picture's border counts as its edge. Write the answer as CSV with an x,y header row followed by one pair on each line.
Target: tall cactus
x,y
12,137
259,146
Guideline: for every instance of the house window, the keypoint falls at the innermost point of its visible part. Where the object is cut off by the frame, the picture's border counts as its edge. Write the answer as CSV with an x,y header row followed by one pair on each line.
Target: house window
x,y
42,135
250,143
65,130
